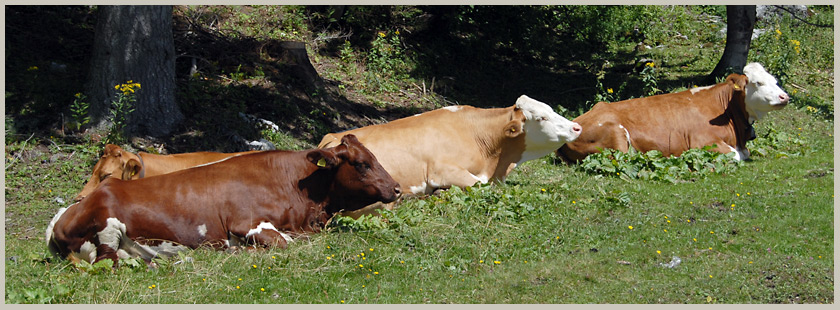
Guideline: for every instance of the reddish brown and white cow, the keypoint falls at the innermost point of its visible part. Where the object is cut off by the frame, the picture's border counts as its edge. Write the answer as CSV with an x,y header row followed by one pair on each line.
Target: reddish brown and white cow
x,y
462,145
116,162
720,114
252,199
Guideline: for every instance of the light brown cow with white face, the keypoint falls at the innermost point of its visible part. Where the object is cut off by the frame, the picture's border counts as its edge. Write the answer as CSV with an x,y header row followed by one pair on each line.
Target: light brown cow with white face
x,y
119,163
462,145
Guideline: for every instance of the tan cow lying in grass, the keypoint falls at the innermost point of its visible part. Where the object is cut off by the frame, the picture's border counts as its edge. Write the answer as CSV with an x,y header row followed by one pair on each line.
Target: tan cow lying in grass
x,y
462,145
116,162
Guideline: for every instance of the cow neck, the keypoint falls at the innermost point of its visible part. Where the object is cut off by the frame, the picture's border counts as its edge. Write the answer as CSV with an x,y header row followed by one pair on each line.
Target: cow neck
x,y
736,110
142,173
317,185
498,150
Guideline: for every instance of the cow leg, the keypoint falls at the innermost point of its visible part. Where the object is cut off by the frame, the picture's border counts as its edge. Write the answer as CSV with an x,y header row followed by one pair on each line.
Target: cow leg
x,y
263,234
447,175
724,148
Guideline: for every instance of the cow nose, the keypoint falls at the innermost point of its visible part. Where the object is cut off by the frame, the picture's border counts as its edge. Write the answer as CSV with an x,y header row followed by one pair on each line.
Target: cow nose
x,y
784,98
576,128
397,191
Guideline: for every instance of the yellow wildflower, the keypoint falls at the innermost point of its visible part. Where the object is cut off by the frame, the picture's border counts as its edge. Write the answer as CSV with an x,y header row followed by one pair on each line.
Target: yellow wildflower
x,y
630,227
497,262
609,90
381,34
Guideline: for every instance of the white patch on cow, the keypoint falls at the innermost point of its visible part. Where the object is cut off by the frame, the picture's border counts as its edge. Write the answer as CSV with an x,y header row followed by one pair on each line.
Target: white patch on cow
x,y
762,94
49,232
434,184
544,129
698,89
453,108
227,243
419,189
202,230
112,233
740,154
599,124
626,135
87,252
481,178
269,226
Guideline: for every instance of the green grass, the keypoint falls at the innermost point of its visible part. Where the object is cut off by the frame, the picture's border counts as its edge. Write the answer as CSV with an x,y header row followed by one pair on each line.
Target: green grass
x,y
551,233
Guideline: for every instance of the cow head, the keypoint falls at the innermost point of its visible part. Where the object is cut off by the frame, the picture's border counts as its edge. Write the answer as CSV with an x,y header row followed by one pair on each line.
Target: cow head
x,y
544,130
761,93
115,162
359,178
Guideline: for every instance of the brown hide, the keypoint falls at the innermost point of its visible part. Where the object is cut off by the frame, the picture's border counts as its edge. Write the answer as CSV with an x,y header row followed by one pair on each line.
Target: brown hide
x,y
116,162
670,123
293,191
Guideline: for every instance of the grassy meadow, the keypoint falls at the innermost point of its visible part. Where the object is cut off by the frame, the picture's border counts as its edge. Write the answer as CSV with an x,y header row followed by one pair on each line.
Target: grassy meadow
x,y
761,232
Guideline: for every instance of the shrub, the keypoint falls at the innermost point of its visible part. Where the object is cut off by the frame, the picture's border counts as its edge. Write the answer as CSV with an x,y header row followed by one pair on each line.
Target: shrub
x,y
652,165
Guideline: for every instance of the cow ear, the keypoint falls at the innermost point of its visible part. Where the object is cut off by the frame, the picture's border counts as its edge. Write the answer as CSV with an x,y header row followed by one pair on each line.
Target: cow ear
x,y
131,169
513,129
738,81
324,159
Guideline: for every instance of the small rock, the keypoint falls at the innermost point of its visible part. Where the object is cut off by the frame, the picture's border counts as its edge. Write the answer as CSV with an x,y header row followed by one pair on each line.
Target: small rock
x,y
58,200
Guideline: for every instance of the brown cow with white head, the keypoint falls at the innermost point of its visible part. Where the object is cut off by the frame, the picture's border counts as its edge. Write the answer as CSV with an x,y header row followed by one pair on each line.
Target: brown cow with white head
x,y
720,114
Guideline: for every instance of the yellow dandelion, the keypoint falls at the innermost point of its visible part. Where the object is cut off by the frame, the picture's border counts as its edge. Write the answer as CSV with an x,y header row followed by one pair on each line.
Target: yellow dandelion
x,y
397,32
481,261
710,276
497,262
736,194
376,272
255,266
630,227
240,279
381,34
658,252
262,289
609,90
573,201
272,257
695,239
371,249
543,190
237,287
342,301
669,221
750,262
363,253
688,220
650,64
329,257
711,232
402,262
203,279
361,266
665,230
364,258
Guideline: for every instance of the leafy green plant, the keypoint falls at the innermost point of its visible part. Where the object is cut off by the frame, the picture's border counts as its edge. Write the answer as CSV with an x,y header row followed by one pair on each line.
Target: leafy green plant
x,y
79,111
363,223
652,165
121,108
649,79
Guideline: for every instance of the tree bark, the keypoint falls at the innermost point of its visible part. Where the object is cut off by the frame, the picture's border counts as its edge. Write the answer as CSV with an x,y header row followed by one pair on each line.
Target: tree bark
x,y
135,43
740,20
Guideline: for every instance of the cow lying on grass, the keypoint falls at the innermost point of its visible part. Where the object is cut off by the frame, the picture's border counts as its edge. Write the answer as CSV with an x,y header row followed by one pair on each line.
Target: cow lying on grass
x,y
249,199
720,114
462,145
116,162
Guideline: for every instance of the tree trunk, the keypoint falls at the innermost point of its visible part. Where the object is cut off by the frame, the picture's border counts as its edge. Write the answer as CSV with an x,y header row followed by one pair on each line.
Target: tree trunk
x,y
135,43
740,20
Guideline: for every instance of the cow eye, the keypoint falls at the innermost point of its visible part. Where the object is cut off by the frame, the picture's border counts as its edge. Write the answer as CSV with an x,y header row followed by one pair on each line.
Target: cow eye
x,y
362,167
104,176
